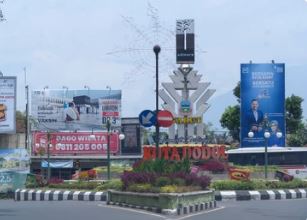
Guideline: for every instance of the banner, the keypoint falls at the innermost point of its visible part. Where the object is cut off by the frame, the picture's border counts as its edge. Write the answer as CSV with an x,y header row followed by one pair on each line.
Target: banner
x,y
14,167
185,42
132,142
262,104
75,109
58,164
7,105
74,143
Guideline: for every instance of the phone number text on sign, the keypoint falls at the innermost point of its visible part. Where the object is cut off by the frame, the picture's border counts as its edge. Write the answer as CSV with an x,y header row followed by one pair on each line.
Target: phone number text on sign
x,y
63,143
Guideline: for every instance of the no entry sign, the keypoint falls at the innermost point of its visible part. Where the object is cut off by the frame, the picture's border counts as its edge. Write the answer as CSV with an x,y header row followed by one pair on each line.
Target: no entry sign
x,y
165,118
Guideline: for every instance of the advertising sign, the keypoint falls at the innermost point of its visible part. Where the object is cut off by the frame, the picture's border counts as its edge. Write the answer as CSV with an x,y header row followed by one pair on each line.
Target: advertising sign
x,y
262,104
132,142
14,167
75,109
185,41
74,143
7,104
111,109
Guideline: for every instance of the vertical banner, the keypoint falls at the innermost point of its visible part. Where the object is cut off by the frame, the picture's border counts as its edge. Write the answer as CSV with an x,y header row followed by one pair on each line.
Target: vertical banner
x,y
185,44
132,142
110,110
7,105
262,104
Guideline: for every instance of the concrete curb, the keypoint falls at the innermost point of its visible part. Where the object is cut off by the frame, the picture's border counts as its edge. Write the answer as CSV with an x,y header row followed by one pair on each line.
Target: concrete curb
x,y
244,195
57,195
179,211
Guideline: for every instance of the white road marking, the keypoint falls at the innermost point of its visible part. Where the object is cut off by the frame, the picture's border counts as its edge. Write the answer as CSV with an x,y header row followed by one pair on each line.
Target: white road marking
x,y
132,210
199,213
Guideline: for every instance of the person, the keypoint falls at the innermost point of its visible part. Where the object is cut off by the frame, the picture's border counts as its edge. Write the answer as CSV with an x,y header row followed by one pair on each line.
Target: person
x,y
72,113
274,141
254,117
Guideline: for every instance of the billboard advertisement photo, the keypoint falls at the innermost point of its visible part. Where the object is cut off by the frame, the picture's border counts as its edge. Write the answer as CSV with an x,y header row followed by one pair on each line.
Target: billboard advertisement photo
x,y
262,104
73,110
14,167
7,105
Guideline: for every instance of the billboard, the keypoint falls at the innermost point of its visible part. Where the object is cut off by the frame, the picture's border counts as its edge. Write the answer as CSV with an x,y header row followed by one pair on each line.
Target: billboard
x,y
185,44
262,104
74,143
14,167
7,105
75,109
132,142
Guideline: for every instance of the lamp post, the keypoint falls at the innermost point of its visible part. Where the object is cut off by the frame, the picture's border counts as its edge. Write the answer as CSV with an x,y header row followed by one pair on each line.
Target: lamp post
x,y
267,135
157,50
48,155
108,148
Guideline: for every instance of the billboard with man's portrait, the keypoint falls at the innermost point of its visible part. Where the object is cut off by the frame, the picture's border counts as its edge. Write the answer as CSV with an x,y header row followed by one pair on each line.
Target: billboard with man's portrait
x,y
262,104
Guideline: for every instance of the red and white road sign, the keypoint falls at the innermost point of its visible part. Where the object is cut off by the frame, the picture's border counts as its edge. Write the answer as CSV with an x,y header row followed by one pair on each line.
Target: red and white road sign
x,y
165,118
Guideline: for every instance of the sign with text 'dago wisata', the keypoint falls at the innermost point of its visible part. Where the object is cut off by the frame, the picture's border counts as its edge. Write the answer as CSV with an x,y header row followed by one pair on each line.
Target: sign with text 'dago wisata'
x,y
75,143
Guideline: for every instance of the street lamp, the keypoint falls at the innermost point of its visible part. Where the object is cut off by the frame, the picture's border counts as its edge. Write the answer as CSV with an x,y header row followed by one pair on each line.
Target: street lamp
x,y
266,135
157,50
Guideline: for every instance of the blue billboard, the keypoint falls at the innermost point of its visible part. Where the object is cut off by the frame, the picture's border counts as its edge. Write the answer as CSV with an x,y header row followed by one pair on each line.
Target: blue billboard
x,y
262,104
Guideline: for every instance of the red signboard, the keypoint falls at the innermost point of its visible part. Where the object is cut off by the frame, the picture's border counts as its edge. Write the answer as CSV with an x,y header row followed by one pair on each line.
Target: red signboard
x,y
109,114
75,143
165,118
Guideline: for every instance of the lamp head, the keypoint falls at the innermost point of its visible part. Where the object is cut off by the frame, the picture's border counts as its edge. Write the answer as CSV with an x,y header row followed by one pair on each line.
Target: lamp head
x,y
250,134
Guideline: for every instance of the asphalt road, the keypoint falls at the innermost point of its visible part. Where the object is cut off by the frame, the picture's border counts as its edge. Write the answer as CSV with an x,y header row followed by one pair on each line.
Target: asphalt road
x,y
66,210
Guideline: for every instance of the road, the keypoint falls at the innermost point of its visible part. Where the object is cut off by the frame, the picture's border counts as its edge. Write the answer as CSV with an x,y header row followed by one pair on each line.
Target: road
x,y
66,210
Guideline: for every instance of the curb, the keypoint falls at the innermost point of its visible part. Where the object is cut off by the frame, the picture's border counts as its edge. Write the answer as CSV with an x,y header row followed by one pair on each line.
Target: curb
x,y
244,195
57,195
184,210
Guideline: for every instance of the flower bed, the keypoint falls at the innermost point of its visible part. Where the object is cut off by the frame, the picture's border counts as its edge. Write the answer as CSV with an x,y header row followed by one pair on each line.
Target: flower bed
x,y
160,201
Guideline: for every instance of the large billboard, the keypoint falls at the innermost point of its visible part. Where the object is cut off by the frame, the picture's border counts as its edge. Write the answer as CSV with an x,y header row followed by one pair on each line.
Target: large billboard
x,y
262,104
74,143
7,104
73,110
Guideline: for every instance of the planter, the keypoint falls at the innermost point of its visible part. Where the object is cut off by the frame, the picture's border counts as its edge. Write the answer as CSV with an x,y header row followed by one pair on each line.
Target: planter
x,y
160,201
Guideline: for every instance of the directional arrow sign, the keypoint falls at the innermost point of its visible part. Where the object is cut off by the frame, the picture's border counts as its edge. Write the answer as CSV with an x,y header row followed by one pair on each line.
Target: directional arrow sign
x,y
147,118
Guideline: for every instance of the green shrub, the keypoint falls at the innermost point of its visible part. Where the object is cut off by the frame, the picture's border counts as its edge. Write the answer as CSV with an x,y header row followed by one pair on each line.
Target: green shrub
x,y
141,187
162,166
257,184
178,181
115,184
162,181
168,189
82,185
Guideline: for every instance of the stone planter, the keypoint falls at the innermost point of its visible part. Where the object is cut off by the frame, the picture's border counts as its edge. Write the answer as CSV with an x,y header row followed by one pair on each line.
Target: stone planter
x,y
161,202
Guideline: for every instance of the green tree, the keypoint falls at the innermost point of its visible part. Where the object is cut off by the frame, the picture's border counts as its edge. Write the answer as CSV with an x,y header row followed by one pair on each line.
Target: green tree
x,y
231,117
20,122
294,114
231,120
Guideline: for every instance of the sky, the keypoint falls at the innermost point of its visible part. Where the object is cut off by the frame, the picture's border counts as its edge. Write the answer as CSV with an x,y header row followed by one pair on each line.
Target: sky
x,y
96,43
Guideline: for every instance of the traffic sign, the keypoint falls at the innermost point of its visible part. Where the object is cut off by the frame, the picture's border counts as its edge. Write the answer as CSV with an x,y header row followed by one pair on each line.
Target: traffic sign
x,y
165,118
147,118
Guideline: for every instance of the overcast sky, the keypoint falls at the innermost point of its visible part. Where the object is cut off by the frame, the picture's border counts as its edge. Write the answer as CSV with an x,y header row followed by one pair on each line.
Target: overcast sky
x,y
98,43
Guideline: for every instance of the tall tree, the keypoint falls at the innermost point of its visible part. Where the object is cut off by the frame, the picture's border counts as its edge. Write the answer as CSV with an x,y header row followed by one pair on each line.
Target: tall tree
x,y
231,117
231,120
294,113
